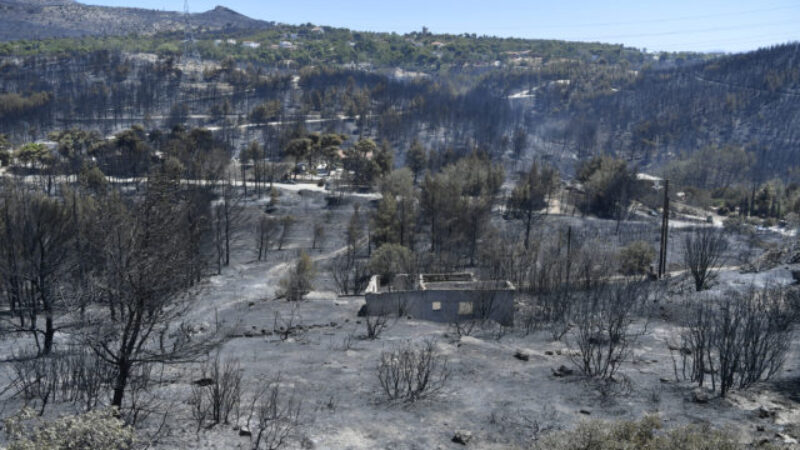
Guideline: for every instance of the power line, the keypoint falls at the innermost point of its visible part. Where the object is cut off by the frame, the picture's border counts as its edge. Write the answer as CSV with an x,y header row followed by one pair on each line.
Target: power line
x,y
650,21
695,31
189,46
762,40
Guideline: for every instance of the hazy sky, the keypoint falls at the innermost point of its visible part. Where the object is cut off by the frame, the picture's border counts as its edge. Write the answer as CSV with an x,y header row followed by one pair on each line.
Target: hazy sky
x,y
700,25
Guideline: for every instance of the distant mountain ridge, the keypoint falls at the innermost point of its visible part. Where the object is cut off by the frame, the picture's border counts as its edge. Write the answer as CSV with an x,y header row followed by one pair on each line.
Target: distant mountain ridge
x,y
40,19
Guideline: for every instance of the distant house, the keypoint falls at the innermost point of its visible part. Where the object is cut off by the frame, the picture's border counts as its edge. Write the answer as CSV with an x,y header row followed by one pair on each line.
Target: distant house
x,y
251,44
517,52
51,145
318,30
437,44
231,41
526,61
650,180
286,45
443,298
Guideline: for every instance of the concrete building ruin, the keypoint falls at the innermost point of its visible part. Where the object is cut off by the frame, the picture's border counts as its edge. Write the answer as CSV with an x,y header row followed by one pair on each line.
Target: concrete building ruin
x,y
443,298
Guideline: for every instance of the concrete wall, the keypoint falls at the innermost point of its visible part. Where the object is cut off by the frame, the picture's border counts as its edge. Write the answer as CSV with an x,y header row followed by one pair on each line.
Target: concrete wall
x,y
497,305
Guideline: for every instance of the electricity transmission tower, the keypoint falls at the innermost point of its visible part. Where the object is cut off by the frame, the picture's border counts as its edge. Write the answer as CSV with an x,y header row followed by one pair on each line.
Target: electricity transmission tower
x,y
189,47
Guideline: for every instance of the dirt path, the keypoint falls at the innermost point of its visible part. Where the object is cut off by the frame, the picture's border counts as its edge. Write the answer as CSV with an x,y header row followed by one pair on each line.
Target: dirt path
x,y
245,283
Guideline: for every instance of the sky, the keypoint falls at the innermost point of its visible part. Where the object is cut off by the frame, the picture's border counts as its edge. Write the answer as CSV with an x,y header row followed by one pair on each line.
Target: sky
x,y
669,25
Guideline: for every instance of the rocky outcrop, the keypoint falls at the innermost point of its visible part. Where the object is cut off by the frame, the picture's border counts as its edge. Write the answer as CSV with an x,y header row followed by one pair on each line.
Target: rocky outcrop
x,y
65,18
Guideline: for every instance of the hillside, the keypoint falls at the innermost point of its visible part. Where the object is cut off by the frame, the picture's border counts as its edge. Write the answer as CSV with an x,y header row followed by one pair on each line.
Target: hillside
x,y
65,18
312,237
750,99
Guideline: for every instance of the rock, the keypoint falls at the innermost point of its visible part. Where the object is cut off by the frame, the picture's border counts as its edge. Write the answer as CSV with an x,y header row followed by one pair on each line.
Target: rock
x,y
563,371
522,356
333,324
765,413
587,412
462,437
245,432
204,382
251,304
664,380
760,428
786,439
307,443
549,353
700,396
796,276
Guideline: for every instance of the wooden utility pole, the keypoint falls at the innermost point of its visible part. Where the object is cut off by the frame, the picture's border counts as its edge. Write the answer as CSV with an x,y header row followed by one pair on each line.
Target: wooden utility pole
x,y
662,255
569,252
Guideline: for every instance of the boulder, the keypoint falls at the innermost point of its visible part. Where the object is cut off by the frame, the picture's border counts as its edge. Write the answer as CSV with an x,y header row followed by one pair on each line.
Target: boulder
x,y
462,437
765,413
786,439
563,371
204,382
522,356
700,395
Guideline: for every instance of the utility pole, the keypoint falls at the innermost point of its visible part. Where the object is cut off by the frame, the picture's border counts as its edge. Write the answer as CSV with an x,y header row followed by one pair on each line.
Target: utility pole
x,y
662,255
569,253
189,47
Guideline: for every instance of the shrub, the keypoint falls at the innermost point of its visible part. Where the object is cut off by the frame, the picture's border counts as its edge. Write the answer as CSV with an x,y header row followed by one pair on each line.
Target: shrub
x,y
214,401
375,325
297,283
736,341
604,332
636,257
275,416
390,260
93,430
412,373
703,252
643,434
